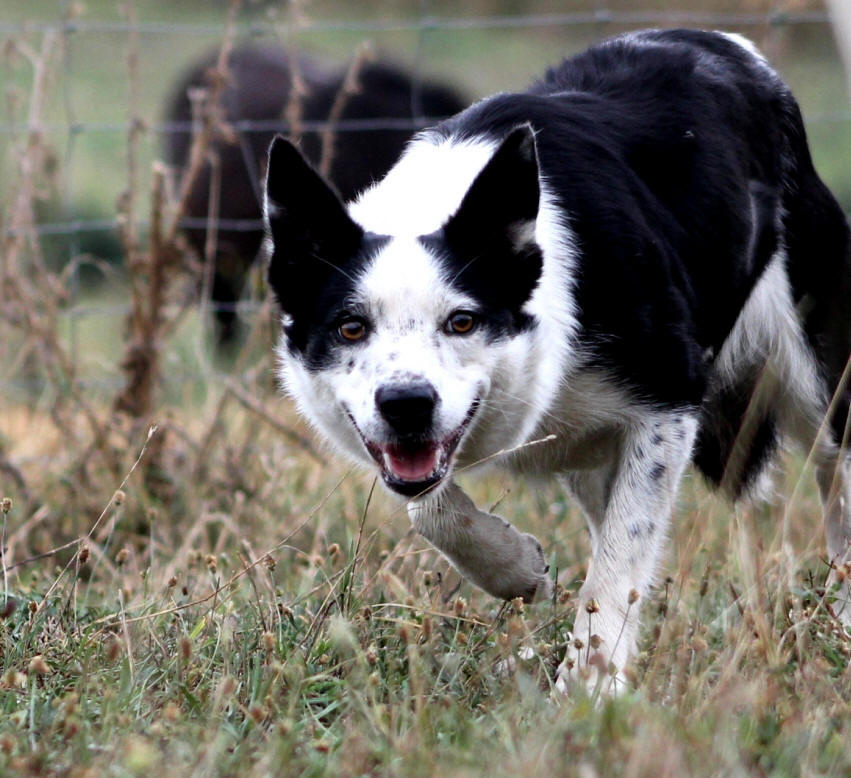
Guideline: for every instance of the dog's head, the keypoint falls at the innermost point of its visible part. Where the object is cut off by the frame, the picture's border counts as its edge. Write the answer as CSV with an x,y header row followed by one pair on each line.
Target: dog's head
x,y
396,345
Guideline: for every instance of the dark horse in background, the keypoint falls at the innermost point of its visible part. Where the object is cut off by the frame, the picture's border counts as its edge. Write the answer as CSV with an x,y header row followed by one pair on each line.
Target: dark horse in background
x,y
371,124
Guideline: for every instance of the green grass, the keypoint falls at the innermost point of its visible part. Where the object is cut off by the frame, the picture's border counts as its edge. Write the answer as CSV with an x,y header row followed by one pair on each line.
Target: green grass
x,y
168,650
248,606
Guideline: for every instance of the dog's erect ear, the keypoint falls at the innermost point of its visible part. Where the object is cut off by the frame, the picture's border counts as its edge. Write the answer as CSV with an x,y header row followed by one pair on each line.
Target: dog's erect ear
x,y
307,223
492,234
501,205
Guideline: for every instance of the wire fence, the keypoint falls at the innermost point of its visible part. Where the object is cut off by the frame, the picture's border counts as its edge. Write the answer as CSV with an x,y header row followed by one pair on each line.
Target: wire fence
x,y
77,135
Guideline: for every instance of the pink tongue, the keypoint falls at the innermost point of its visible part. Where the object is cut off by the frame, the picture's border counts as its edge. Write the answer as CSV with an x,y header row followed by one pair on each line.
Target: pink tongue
x,y
412,465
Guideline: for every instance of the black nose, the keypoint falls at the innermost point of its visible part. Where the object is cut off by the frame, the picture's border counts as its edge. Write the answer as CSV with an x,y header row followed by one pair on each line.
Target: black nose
x,y
407,408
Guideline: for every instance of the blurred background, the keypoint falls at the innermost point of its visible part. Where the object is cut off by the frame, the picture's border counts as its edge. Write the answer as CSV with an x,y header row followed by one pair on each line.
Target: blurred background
x,y
106,295
87,76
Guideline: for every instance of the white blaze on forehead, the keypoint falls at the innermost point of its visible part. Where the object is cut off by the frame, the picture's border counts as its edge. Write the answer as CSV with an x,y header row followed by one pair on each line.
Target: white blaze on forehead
x,y
405,282
424,188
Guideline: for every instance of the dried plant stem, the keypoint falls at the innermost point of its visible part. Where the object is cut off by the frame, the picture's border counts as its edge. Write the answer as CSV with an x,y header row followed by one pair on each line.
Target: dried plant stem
x,y
256,407
152,271
349,87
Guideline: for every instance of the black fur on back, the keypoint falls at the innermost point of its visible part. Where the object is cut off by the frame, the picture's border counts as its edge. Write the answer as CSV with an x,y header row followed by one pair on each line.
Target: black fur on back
x,y
681,162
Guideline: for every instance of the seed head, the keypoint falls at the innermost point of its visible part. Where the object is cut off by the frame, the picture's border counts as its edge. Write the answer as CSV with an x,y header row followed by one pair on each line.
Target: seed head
x,y
83,554
212,563
172,582
592,607
460,606
371,654
595,641
516,627
186,648
113,649
121,556
119,497
578,644
6,504
227,686
633,596
38,666
268,641
269,562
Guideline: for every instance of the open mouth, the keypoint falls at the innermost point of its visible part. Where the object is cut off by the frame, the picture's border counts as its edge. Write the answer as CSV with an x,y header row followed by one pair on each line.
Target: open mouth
x,y
413,466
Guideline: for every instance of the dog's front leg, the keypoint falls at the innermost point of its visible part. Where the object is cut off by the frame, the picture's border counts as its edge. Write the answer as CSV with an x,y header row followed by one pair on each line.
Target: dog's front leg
x,y
484,548
628,506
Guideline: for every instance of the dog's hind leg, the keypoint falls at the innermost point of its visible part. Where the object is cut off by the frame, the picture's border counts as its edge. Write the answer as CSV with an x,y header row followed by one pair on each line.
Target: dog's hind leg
x,y
628,506
484,548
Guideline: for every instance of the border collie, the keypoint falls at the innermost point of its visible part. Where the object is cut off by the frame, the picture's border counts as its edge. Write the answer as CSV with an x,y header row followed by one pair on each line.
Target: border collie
x,y
259,89
633,264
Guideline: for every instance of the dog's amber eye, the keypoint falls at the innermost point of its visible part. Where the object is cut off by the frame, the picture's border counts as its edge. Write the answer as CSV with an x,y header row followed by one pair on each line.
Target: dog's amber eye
x,y
352,330
461,323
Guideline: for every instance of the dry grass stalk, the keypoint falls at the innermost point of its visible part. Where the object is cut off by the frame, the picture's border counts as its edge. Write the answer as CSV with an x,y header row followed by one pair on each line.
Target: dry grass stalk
x,y
32,295
349,87
152,272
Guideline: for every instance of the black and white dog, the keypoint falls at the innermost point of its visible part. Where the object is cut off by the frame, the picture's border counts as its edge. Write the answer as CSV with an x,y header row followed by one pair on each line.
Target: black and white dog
x,y
633,261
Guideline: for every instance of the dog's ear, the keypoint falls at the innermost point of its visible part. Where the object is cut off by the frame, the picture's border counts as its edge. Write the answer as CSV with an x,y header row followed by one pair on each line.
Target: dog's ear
x,y
501,205
307,223
493,231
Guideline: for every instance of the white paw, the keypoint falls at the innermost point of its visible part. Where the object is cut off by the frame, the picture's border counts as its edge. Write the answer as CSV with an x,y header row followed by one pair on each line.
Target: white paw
x,y
588,668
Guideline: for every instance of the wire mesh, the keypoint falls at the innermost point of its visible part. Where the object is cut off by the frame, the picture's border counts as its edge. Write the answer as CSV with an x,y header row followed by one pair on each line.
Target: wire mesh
x,y
70,126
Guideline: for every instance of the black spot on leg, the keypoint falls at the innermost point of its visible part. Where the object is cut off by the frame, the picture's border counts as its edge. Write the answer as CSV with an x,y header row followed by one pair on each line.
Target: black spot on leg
x,y
350,365
679,433
658,440
634,531
658,471
651,528
639,452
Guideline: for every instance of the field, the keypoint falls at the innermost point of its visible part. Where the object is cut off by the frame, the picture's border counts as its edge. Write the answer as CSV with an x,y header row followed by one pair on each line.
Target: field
x,y
191,585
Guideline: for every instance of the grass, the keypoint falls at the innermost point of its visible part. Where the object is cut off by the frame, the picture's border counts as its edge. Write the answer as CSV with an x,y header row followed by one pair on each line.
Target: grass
x,y
220,598
280,614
